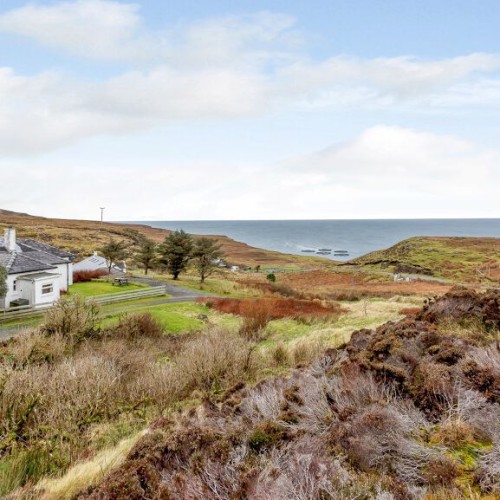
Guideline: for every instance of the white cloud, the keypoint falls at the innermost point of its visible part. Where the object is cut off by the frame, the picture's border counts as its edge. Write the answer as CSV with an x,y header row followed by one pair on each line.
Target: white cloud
x,y
397,159
384,172
89,28
386,81
210,69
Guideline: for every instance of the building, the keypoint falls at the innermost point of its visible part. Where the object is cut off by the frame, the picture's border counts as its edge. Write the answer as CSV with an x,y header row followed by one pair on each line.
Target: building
x,y
37,273
98,263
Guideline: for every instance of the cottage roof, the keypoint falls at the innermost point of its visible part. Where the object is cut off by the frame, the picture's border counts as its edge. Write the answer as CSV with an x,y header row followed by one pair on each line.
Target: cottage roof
x,y
22,263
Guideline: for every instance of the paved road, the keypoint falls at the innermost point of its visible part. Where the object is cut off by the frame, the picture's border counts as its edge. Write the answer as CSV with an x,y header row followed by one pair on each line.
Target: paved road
x,y
176,291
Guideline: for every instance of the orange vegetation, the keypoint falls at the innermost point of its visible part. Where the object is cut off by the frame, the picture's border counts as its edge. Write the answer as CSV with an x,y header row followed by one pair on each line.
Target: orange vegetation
x,y
276,308
325,283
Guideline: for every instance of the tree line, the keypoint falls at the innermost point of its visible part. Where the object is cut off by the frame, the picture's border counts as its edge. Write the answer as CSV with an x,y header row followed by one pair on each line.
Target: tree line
x,y
174,254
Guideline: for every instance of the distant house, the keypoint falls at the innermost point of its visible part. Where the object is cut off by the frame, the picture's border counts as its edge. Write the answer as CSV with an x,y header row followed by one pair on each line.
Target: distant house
x,y
98,263
36,272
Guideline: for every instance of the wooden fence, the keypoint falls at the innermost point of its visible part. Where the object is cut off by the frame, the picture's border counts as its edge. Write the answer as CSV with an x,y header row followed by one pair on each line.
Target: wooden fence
x,y
15,313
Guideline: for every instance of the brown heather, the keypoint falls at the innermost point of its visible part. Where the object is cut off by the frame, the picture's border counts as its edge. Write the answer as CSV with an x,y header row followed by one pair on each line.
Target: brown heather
x,y
406,411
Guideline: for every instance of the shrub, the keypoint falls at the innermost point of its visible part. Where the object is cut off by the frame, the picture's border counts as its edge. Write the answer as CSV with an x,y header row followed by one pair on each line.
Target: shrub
x,y
280,354
72,318
256,315
271,277
215,360
489,470
454,433
136,325
82,276
32,347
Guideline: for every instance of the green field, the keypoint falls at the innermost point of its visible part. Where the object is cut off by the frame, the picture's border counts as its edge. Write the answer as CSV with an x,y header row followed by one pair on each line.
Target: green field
x,y
91,288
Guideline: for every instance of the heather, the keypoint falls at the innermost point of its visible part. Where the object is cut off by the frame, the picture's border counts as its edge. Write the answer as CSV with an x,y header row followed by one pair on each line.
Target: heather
x,y
408,410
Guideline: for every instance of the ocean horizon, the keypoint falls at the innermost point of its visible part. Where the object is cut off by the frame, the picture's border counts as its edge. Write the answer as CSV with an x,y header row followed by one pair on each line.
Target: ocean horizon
x,y
356,237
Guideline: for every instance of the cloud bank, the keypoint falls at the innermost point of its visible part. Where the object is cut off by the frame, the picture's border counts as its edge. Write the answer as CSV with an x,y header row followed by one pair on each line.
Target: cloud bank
x,y
384,172
218,69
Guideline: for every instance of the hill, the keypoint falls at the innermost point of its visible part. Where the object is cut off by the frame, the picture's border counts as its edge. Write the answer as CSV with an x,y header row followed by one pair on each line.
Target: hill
x,y
468,260
83,237
410,410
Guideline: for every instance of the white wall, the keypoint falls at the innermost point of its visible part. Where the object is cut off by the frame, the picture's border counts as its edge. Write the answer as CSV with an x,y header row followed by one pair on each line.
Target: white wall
x,y
46,298
25,289
66,272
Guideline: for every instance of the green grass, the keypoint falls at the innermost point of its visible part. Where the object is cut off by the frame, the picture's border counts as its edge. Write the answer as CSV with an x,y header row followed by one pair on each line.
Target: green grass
x,y
92,288
181,317
455,259
217,286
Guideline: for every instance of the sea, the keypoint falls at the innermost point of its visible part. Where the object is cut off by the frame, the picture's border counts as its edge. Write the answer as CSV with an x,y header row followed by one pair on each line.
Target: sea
x,y
345,239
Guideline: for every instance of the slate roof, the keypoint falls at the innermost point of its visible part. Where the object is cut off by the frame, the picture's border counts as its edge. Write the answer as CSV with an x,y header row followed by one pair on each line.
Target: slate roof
x,y
28,244
21,263
31,255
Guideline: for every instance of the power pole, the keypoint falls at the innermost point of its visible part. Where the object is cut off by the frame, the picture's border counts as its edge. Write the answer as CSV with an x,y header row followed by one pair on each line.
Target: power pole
x,y
102,213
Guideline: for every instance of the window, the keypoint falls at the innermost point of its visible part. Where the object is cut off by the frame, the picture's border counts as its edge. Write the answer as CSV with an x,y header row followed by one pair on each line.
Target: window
x,y
14,286
48,288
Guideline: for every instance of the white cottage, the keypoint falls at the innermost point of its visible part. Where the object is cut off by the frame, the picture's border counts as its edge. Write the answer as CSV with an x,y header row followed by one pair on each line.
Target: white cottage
x,y
36,272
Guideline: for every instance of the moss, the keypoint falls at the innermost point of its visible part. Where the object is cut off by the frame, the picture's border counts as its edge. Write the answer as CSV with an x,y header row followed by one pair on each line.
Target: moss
x,y
267,435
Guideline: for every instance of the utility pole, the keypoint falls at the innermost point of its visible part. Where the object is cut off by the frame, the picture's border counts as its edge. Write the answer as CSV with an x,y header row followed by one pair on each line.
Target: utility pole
x,y
102,213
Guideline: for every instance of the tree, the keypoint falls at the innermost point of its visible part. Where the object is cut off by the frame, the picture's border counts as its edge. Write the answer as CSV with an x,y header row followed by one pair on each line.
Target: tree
x,y
3,282
114,251
176,251
206,253
146,256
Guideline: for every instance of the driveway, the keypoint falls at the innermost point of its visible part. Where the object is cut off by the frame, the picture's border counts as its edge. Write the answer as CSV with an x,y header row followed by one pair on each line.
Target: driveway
x,y
175,291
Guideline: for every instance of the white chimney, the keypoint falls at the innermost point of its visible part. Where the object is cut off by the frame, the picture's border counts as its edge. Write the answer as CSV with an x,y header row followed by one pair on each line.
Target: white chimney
x,y
10,239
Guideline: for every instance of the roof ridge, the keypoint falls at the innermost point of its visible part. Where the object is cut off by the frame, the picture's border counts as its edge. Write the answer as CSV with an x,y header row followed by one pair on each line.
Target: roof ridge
x,y
12,259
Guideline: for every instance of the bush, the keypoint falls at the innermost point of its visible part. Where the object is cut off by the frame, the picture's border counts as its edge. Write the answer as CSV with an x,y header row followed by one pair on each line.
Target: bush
x,y
82,276
72,318
280,355
215,360
136,325
256,316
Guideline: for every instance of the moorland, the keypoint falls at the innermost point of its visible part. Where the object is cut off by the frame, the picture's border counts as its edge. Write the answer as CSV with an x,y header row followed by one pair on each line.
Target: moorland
x,y
331,381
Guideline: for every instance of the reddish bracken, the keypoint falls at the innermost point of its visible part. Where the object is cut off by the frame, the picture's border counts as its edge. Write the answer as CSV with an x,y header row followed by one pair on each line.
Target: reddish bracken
x,y
277,308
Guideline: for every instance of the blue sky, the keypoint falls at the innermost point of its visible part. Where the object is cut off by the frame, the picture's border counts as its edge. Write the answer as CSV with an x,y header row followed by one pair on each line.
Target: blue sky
x,y
250,109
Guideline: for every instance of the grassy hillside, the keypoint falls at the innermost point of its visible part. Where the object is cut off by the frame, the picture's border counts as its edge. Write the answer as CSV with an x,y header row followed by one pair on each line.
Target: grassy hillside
x,y
457,259
84,237
408,410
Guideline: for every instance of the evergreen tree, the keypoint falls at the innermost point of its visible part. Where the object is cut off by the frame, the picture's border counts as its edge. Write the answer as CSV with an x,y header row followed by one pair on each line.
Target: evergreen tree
x,y
206,253
146,256
114,251
176,251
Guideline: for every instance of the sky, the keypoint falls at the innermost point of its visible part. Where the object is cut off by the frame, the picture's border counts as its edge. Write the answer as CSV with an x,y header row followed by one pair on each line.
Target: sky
x,y
261,109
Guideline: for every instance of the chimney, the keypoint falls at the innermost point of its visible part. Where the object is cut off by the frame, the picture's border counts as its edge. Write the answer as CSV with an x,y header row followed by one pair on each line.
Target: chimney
x,y
10,239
